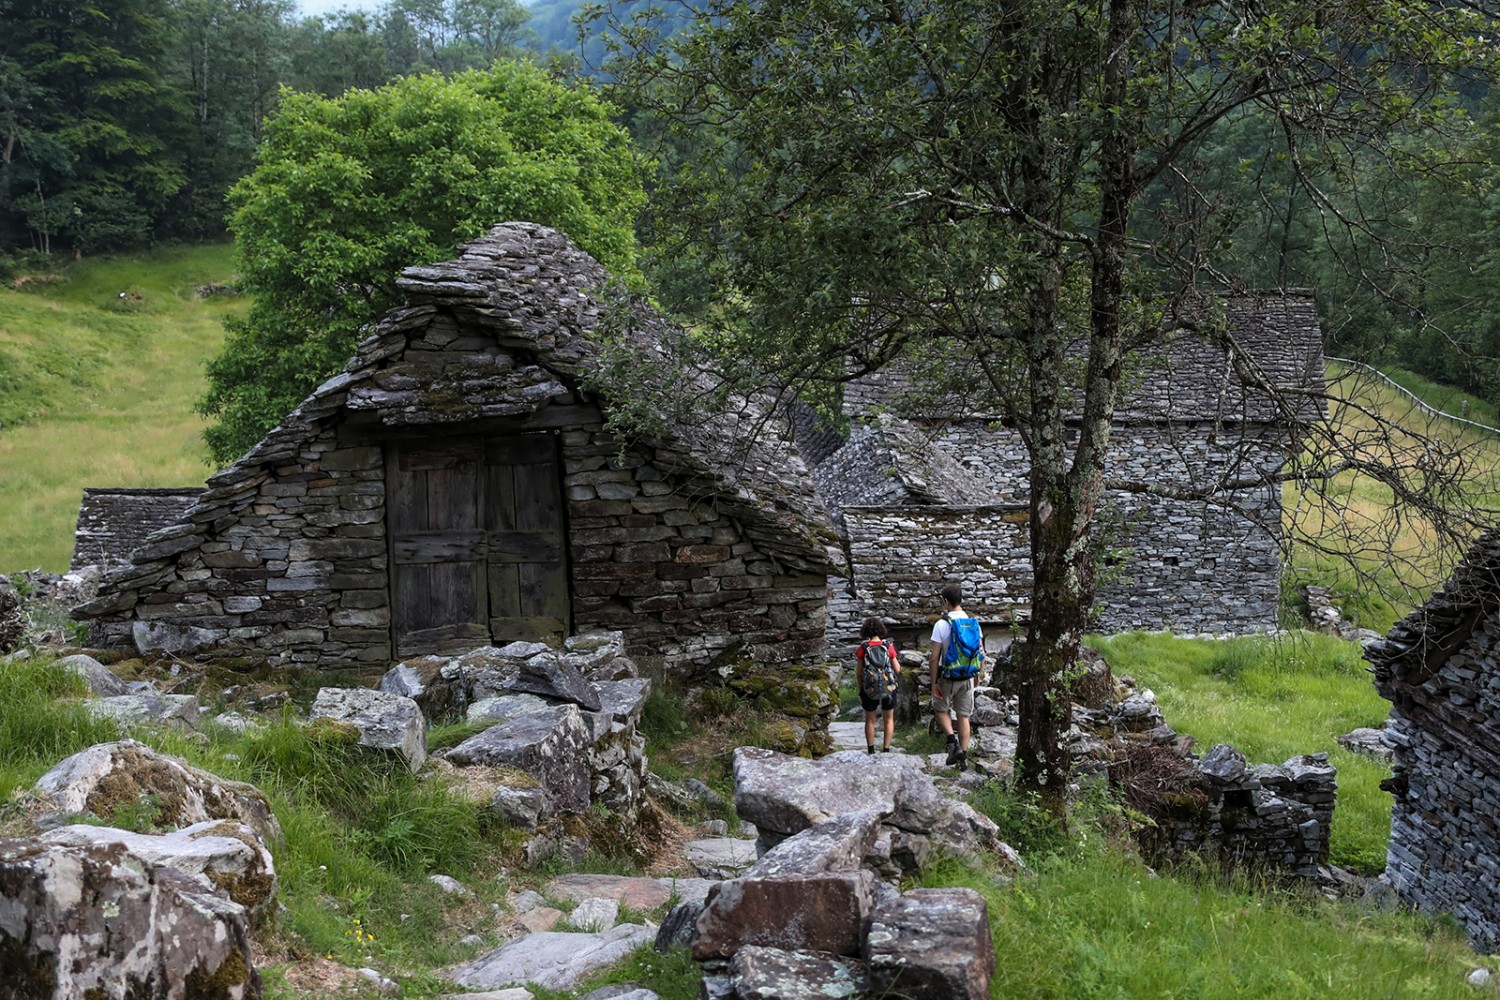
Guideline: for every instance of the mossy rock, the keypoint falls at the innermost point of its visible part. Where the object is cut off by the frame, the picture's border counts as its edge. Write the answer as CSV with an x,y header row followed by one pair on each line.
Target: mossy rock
x,y
805,692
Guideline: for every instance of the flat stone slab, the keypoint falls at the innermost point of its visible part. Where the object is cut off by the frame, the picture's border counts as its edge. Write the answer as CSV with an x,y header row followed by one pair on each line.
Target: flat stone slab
x,y
624,699
850,735
505,707
637,892
720,857
554,960
550,677
998,742
838,845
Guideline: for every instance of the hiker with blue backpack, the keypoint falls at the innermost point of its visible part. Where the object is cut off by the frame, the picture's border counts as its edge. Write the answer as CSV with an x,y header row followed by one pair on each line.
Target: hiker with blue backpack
x,y
957,655
878,667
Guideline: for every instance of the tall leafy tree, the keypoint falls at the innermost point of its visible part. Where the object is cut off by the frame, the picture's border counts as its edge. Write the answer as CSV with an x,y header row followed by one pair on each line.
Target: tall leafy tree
x,y
91,143
965,185
348,191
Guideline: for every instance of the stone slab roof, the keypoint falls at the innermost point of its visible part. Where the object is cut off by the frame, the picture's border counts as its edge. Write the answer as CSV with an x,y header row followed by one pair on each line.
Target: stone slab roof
x,y
530,289
1186,378
1420,644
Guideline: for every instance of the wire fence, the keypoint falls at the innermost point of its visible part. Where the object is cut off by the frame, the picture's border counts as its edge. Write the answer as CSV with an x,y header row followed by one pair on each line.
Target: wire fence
x,y
1417,402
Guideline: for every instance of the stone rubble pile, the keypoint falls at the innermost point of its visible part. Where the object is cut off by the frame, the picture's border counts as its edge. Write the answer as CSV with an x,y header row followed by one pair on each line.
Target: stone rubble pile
x,y
813,917
564,724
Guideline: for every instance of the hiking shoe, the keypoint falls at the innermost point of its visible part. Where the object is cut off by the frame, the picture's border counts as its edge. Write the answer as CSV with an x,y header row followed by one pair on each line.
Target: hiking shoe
x,y
954,753
963,760
871,748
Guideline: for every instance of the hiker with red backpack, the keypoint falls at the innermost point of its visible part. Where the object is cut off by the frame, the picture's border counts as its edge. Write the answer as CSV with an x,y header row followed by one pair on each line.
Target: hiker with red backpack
x,y
957,655
878,667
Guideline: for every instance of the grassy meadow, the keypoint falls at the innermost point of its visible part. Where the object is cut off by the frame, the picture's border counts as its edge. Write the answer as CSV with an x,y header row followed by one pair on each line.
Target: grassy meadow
x,y
98,390
1352,535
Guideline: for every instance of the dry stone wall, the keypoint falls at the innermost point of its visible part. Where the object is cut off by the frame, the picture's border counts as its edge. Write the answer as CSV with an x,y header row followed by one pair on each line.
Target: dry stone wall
x,y
1440,669
114,521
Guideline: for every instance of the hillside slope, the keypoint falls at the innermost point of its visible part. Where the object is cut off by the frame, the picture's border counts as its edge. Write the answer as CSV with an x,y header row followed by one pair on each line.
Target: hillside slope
x,y
100,365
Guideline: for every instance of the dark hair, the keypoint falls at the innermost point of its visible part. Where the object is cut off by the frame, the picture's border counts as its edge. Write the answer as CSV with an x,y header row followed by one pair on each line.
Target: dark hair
x,y
953,594
873,628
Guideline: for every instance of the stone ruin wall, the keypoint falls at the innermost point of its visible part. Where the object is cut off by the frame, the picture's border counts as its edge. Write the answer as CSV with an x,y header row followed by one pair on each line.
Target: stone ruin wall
x,y
1444,852
114,521
1177,565
1261,817
292,564
904,555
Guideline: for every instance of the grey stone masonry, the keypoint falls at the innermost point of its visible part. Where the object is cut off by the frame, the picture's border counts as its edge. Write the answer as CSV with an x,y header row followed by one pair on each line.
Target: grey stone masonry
x,y
707,536
1190,419
1440,669
113,521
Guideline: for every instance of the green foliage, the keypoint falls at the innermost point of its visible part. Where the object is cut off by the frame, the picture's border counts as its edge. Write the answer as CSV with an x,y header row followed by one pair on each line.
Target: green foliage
x,y
349,191
673,976
1273,699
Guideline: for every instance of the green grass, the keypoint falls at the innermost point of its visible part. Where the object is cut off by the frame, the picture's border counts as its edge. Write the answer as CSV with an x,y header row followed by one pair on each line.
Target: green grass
x,y
99,391
1443,398
1273,699
1104,926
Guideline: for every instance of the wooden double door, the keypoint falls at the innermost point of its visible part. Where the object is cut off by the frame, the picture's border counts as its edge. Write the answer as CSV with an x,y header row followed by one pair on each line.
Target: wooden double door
x,y
478,542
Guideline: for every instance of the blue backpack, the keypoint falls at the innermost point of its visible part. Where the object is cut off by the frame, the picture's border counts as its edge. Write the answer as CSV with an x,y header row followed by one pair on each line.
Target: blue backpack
x,y
965,652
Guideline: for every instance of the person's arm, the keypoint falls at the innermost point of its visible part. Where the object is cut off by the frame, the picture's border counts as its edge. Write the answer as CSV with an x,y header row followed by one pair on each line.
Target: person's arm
x,y
933,659
895,656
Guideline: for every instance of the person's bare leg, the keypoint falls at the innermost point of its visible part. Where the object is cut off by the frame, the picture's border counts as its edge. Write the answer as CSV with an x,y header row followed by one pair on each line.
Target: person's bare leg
x,y
869,729
963,732
890,727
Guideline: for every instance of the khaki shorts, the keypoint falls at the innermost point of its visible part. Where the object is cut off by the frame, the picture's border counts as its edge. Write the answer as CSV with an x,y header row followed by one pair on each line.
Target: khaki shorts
x,y
957,695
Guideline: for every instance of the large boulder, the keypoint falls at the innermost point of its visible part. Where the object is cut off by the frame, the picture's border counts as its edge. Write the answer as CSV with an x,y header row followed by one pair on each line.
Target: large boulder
x,y
101,683
112,777
553,960
95,922
181,711
551,746
505,707
228,855
385,721
931,944
784,795
839,844
825,911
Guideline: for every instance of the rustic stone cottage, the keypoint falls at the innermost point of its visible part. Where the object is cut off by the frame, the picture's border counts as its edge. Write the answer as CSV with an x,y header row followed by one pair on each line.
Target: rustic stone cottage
x,y
1440,669
456,486
941,495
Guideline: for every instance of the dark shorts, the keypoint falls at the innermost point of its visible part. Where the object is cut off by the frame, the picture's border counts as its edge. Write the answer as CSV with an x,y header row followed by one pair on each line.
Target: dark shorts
x,y
886,704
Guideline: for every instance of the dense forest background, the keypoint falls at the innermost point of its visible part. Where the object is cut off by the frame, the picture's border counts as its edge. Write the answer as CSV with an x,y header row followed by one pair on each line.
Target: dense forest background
x,y
123,123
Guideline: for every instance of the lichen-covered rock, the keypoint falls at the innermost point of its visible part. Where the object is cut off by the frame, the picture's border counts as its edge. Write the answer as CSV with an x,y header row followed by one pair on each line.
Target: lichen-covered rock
x,y
179,710
552,960
774,974
834,845
385,721
931,944
505,707
435,683
101,683
551,746
820,912
96,922
228,855
549,676
784,795
110,777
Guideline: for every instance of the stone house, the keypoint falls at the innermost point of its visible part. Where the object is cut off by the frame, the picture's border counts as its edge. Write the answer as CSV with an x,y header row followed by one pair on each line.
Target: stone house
x,y
113,521
928,493
457,485
1440,669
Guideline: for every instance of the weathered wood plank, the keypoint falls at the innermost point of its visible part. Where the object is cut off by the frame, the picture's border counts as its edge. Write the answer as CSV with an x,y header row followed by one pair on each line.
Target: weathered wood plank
x,y
437,546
